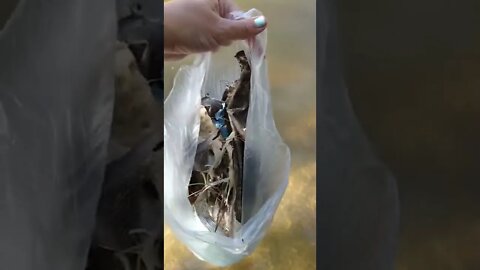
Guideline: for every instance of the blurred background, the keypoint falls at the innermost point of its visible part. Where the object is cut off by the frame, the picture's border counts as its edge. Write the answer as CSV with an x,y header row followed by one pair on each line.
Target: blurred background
x,y
413,71
290,242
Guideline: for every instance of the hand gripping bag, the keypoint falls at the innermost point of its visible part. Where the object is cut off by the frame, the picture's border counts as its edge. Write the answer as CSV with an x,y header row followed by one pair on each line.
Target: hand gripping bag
x,y
266,160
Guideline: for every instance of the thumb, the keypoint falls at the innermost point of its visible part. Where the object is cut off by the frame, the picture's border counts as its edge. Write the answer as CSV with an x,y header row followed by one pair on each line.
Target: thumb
x,y
243,29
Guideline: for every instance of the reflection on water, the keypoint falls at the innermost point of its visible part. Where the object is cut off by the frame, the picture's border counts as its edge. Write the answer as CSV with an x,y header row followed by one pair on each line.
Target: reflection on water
x,y
290,242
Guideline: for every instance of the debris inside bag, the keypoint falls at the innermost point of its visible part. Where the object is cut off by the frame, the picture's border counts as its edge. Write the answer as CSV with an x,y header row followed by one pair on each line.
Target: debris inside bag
x,y
215,189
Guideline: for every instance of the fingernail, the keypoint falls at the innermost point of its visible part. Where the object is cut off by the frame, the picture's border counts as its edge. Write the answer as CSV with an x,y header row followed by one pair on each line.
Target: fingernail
x,y
260,21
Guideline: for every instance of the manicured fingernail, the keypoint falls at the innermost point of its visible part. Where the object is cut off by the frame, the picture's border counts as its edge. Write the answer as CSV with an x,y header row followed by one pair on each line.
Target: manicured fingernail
x,y
260,21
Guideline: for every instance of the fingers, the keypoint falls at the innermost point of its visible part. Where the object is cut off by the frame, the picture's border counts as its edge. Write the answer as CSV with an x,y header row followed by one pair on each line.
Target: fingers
x,y
242,29
224,42
227,6
173,57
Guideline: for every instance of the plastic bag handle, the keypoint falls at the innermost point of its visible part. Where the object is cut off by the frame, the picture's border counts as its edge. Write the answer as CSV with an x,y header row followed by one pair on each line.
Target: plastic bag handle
x,y
256,44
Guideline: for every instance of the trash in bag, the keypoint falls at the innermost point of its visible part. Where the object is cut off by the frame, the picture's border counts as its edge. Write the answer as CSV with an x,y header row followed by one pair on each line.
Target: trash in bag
x,y
215,188
226,166
129,220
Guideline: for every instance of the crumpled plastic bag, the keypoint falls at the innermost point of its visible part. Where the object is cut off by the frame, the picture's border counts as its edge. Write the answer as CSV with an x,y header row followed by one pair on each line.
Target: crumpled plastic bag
x,y
56,103
266,156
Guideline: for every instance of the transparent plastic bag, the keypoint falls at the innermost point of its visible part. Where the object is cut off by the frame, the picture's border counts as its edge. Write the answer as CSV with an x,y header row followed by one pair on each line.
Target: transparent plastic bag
x,y
56,103
266,157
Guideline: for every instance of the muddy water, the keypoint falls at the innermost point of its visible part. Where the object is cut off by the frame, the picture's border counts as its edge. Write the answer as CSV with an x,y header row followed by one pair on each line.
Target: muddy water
x,y
290,242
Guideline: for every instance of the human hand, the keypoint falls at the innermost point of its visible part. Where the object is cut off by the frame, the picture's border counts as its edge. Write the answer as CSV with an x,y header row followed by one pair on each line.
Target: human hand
x,y
196,26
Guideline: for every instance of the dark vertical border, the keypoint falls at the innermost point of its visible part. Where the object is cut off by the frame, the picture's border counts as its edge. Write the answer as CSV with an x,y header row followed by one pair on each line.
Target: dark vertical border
x,y
357,200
